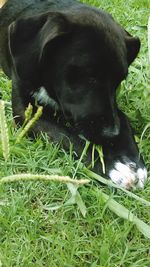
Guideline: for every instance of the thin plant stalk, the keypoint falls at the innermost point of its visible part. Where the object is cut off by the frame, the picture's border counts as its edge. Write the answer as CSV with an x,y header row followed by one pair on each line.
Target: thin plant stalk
x,y
4,132
30,124
109,183
42,177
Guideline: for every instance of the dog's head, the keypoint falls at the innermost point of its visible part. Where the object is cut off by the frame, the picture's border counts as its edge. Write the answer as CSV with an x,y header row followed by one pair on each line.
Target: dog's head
x,y
80,57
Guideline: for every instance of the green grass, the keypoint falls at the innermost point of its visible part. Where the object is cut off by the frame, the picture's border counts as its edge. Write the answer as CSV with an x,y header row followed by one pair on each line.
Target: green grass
x,y
31,234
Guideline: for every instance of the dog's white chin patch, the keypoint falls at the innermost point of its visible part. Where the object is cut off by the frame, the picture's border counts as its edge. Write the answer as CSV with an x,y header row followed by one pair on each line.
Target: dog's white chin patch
x,y
127,175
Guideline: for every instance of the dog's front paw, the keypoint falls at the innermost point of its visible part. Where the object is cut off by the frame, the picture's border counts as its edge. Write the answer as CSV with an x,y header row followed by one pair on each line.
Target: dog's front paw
x,y
128,174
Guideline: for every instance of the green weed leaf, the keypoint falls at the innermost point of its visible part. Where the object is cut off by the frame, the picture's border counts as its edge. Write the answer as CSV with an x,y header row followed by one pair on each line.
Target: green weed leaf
x,y
124,213
76,199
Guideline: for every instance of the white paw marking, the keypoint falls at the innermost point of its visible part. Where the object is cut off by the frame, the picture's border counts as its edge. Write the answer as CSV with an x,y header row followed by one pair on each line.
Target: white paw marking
x,y
127,175
43,98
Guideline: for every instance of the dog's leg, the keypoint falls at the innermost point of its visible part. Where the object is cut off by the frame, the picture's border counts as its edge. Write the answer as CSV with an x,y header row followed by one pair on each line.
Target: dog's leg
x,y
123,163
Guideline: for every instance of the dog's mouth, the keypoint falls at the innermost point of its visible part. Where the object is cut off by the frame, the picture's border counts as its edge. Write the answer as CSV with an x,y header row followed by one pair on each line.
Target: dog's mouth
x,y
91,125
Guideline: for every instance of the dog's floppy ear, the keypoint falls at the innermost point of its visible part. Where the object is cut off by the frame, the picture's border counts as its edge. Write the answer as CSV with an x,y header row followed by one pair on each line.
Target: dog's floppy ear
x,y
133,47
29,36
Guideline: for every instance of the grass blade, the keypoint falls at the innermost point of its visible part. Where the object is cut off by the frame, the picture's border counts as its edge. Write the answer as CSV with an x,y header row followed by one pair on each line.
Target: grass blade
x,y
76,199
124,213
87,144
111,184
149,38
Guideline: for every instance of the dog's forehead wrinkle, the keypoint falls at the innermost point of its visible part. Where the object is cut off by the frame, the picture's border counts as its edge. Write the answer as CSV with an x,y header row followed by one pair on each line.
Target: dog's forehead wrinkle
x,y
100,22
91,48
97,18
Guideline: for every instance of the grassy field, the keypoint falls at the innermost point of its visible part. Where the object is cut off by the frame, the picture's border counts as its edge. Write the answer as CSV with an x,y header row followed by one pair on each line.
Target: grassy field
x,y
33,231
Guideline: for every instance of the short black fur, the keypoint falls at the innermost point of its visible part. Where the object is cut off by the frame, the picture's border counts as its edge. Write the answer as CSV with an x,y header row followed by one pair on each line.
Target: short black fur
x,y
79,55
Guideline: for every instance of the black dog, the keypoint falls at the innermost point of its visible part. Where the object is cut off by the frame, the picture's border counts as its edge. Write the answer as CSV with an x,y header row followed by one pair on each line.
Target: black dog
x,y
70,58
